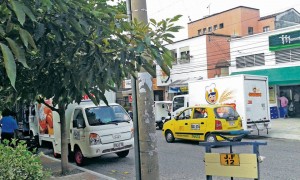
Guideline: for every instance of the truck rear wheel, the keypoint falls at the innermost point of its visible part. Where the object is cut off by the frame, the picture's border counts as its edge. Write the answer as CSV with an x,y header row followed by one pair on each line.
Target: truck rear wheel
x,y
123,154
56,155
79,158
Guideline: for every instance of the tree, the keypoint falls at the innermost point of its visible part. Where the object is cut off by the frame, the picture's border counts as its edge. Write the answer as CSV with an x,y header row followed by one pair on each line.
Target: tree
x,y
64,49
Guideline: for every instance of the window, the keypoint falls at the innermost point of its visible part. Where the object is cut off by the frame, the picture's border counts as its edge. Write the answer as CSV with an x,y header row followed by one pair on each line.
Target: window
x,y
285,56
266,28
184,55
204,30
174,55
199,31
186,114
178,102
210,29
78,116
200,113
250,30
215,27
250,60
221,26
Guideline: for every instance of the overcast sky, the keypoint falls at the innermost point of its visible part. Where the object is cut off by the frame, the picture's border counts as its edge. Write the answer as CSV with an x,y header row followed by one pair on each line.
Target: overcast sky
x,y
197,9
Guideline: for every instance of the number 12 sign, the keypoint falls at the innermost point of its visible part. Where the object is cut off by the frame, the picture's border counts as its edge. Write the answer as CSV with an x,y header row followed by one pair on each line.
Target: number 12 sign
x,y
227,159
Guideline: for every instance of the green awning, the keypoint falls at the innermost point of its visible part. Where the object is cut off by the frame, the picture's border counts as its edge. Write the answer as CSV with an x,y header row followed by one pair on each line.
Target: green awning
x,y
277,76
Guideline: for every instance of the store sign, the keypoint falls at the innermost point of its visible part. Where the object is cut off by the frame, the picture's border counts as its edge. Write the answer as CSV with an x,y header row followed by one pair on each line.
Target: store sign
x,y
127,83
183,89
284,41
162,78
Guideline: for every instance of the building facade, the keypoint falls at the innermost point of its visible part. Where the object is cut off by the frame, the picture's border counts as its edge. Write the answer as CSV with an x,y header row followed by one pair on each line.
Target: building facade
x,y
275,54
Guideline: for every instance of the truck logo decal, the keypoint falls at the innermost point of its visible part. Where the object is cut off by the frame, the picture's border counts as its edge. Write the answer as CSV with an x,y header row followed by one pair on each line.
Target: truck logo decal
x,y
255,93
116,136
76,134
211,94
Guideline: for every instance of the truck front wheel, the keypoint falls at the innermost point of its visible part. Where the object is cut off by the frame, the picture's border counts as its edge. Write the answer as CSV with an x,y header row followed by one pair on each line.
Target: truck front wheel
x,y
79,158
123,154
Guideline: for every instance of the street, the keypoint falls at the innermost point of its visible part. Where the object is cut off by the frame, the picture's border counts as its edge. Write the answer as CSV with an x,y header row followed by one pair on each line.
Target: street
x,y
184,160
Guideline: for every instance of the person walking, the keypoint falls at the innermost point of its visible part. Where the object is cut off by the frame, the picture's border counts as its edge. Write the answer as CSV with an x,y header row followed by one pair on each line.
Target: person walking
x,y
9,126
284,104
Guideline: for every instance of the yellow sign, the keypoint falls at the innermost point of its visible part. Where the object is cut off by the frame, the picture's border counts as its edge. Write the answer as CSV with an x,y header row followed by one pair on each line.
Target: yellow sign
x,y
229,159
247,167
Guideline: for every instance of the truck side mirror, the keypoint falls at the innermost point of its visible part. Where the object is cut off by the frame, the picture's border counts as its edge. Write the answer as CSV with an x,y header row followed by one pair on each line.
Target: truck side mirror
x,y
78,123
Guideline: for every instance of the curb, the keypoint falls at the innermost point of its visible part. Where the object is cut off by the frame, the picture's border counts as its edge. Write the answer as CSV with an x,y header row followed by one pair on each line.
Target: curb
x,y
102,176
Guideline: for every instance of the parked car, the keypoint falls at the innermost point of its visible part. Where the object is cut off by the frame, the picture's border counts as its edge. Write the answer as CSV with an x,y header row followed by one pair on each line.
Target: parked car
x,y
204,123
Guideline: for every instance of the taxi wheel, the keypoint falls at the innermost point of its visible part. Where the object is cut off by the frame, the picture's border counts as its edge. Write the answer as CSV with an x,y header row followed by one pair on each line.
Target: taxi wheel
x,y
211,138
169,137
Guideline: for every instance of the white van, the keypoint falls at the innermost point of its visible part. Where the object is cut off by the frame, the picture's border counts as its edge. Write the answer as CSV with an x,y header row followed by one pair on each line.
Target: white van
x,y
92,130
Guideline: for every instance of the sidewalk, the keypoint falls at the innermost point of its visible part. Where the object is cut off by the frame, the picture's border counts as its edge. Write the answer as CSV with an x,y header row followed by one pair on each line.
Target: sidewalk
x,y
285,128
77,173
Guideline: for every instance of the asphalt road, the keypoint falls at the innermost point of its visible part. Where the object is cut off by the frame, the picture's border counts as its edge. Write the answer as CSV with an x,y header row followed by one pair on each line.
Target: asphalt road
x,y
184,160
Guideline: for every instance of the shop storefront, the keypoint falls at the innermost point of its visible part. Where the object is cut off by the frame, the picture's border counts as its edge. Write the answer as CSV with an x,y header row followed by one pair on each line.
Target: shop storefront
x,y
284,80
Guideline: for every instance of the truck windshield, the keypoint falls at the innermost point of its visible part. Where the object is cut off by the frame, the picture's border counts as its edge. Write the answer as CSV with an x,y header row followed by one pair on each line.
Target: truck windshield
x,y
226,112
178,102
106,115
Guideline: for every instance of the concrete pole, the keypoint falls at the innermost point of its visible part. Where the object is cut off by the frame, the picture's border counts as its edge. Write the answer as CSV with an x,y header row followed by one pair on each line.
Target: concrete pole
x,y
146,121
135,112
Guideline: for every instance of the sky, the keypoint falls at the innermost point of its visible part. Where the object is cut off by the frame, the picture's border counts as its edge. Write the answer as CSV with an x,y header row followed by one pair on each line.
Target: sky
x,y
196,9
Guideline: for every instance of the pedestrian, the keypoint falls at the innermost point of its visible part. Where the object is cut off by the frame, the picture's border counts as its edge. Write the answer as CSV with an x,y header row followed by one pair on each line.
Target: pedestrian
x,y
9,126
284,104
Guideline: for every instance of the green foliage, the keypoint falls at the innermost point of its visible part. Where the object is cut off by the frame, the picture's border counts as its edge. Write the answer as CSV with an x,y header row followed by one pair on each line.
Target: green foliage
x,y
19,163
70,48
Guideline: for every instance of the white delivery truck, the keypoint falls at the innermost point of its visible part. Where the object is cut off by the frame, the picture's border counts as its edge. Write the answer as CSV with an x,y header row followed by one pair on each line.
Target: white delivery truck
x,y
92,131
248,94
162,112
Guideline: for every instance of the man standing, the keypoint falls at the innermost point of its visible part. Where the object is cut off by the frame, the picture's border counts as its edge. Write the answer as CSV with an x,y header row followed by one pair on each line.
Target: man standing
x,y
9,125
284,104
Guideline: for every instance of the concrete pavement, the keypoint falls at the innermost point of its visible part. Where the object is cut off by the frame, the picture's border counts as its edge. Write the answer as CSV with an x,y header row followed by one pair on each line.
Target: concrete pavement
x,y
285,128
280,128
77,173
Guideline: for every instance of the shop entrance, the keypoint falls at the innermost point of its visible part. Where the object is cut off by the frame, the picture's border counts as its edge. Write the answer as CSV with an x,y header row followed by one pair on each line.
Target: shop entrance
x,y
292,93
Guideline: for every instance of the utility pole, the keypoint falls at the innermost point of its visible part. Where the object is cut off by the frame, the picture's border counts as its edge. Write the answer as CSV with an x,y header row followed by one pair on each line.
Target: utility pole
x,y
135,112
148,154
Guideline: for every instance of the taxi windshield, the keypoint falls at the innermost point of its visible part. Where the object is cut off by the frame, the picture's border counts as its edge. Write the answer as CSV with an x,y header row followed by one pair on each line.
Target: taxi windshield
x,y
226,112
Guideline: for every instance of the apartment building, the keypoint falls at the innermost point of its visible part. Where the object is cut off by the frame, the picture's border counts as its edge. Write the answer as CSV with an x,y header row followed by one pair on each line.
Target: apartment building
x,y
242,21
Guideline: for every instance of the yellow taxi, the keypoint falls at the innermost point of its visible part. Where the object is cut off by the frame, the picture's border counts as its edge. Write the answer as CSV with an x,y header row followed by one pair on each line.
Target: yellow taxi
x,y
203,123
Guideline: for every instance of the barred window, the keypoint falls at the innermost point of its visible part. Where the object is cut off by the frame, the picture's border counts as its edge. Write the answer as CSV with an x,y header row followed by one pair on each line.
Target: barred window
x,y
250,60
289,55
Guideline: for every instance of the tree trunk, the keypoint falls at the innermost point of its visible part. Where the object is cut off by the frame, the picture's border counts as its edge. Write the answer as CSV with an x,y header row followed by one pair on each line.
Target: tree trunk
x,y
64,140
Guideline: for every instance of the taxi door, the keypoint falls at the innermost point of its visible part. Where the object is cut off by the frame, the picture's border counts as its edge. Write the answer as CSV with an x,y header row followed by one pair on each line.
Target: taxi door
x,y
198,123
182,125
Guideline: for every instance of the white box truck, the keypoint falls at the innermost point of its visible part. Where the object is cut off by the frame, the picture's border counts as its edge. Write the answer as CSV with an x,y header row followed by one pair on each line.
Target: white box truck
x,y
248,94
92,131
162,112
